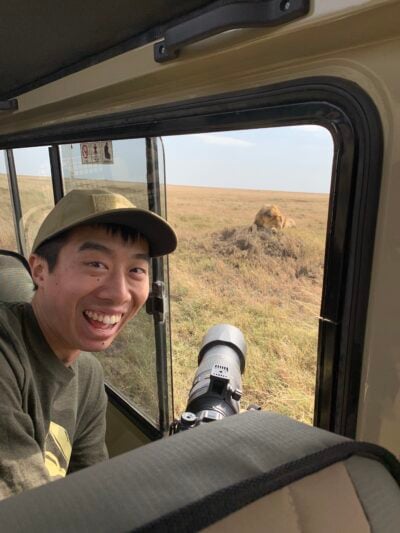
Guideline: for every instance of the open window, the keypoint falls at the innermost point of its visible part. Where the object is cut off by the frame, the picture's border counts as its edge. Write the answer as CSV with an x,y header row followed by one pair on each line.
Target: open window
x,y
349,118
137,368
33,190
250,208
8,235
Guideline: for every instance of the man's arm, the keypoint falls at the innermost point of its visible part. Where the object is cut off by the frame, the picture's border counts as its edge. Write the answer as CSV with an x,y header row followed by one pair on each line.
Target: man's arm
x,y
21,459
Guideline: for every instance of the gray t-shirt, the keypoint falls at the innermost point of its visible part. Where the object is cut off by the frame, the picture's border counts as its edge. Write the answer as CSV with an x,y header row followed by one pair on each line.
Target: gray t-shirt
x,y
52,417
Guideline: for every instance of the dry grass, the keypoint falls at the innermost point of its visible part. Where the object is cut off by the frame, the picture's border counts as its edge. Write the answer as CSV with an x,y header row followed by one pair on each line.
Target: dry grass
x,y
7,234
36,200
268,285
129,364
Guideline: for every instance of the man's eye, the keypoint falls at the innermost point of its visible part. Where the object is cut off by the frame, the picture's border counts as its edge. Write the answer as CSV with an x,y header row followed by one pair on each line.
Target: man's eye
x,y
139,270
96,264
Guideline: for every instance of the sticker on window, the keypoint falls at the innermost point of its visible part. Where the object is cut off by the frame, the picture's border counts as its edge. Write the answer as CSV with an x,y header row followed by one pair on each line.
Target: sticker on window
x,y
99,153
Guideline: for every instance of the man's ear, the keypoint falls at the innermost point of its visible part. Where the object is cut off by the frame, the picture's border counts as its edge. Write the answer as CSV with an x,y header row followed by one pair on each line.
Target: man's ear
x,y
39,269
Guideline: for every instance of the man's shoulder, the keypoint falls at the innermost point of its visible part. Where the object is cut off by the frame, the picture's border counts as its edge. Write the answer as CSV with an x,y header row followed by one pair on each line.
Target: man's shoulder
x,y
12,307
12,350
11,316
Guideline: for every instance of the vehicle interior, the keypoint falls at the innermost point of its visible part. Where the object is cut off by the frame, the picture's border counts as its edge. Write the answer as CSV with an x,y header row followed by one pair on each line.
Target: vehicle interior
x,y
178,106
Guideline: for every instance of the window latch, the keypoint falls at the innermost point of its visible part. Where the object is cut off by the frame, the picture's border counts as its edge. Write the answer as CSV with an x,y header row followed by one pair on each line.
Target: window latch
x,y
254,14
156,303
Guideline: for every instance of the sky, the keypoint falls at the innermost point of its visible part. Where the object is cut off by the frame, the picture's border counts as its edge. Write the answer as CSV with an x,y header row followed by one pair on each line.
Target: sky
x,y
295,158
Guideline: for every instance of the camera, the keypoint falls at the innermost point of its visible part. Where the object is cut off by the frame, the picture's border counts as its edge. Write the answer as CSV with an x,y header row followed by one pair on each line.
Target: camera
x,y
217,384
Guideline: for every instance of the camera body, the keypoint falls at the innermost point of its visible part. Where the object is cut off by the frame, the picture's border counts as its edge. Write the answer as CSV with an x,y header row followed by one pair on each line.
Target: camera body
x,y
217,384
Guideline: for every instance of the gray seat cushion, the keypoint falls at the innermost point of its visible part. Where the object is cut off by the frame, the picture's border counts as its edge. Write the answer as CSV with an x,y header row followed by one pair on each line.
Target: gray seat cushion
x,y
16,284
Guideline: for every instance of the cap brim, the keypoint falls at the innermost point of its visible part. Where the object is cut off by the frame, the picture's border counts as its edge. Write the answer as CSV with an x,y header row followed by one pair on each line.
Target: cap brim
x,y
159,234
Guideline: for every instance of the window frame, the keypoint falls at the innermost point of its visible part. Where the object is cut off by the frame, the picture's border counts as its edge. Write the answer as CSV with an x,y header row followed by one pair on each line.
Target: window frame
x,y
15,199
350,115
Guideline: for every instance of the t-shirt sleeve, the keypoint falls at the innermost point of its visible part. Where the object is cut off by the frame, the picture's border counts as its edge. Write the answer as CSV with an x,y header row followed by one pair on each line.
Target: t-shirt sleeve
x,y
89,446
21,459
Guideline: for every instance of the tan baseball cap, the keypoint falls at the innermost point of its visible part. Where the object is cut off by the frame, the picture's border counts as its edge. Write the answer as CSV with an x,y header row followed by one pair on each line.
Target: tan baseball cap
x,y
92,206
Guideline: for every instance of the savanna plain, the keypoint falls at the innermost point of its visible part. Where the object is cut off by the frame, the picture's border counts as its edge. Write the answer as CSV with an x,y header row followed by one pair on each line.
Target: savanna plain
x,y
266,283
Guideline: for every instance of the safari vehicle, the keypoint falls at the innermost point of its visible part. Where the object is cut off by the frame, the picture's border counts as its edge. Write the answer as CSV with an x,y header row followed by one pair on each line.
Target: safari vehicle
x,y
91,95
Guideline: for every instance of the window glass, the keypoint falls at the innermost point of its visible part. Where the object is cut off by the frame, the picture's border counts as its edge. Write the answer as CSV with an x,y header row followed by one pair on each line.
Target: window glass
x,y
7,234
32,166
119,166
262,274
130,362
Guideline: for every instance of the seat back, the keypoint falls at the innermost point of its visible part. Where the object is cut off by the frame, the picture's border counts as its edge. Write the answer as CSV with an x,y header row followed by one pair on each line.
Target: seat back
x,y
16,284
254,471
354,495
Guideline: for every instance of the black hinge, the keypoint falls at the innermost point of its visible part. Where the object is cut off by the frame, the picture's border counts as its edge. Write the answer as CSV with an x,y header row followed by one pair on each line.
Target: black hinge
x,y
228,17
156,303
9,105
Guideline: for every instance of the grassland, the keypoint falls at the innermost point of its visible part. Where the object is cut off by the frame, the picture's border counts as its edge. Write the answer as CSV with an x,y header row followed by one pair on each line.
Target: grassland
x,y
271,293
269,286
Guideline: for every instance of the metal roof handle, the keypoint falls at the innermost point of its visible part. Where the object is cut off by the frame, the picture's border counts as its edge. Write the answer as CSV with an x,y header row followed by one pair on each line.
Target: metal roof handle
x,y
9,105
253,14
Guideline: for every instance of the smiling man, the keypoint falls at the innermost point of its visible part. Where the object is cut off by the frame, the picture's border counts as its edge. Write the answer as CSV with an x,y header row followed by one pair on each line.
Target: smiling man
x,y
90,267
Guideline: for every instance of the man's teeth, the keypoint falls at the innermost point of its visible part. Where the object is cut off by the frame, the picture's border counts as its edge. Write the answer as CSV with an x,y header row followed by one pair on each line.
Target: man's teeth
x,y
101,317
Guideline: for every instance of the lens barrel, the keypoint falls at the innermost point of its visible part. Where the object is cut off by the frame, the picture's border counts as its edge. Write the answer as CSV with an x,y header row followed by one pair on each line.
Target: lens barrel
x,y
217,385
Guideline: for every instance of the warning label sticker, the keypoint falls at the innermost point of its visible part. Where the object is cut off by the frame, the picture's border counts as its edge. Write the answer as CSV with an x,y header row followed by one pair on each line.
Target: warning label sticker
x,y
98,153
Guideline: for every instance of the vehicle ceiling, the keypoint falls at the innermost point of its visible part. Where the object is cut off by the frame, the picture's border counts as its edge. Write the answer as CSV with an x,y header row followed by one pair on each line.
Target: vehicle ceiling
x,y
43,41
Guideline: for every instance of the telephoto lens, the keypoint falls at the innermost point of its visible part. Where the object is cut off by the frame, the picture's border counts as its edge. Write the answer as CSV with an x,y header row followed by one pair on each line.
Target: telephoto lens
x,y
217,385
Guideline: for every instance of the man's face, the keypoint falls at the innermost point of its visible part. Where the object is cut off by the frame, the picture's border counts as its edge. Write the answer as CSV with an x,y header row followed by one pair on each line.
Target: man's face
x,y
98,284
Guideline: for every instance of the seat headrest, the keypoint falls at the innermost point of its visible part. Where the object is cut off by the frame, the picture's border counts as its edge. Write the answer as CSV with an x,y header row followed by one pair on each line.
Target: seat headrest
x,y
16,283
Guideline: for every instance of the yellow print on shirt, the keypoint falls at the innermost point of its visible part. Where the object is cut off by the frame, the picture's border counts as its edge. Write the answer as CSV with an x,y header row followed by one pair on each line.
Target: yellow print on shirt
x,y
57,450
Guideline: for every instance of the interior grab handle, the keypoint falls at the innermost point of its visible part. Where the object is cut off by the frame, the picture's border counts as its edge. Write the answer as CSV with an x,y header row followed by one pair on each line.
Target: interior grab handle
x,y
254,14
9,105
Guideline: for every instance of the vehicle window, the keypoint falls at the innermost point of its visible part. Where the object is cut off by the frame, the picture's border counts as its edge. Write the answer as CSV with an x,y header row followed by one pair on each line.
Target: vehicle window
x,y
130,363
119,166
261,271
7,235
35,189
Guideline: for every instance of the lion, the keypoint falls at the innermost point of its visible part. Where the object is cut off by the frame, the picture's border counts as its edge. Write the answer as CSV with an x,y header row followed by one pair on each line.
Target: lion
x,y
271,217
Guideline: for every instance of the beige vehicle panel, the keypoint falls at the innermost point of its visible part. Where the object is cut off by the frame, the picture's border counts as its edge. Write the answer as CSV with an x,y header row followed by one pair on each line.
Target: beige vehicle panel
x,y
360,43
236,60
